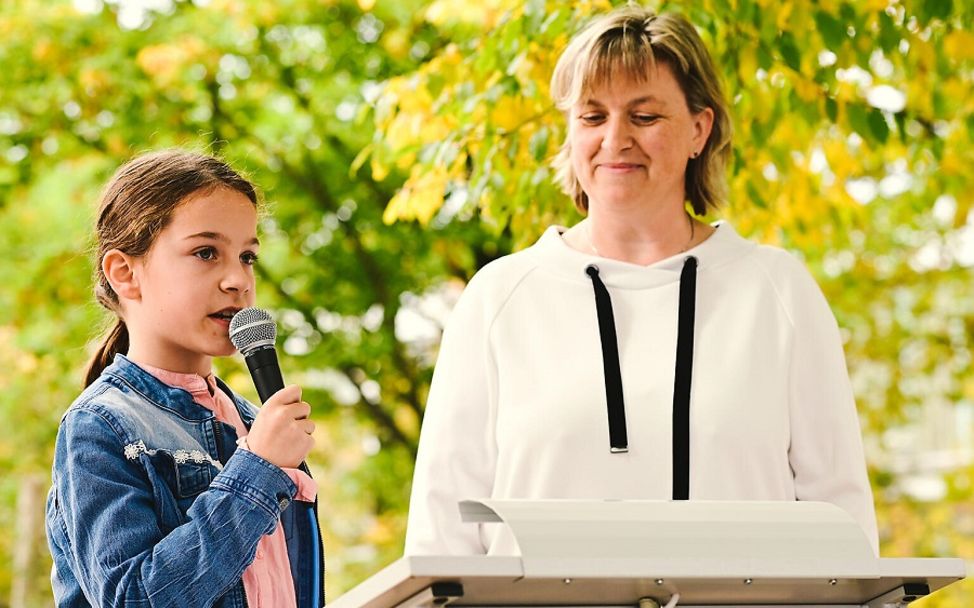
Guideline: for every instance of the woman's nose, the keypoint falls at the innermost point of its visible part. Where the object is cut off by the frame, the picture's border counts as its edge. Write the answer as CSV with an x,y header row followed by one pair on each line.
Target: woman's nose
x,y
617,135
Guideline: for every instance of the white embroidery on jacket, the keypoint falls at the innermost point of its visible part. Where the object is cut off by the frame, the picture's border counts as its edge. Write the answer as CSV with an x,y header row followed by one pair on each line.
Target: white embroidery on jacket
x,y
133,450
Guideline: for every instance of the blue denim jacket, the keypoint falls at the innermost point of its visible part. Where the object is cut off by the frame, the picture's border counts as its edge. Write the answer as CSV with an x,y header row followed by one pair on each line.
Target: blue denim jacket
x,y
152,505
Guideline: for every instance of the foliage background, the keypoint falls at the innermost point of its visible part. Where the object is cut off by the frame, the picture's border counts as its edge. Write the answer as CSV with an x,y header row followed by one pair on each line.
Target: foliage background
x,y
402,145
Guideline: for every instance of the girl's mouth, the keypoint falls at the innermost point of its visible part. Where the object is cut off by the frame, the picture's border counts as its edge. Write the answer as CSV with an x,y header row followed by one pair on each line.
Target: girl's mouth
x,y
224,315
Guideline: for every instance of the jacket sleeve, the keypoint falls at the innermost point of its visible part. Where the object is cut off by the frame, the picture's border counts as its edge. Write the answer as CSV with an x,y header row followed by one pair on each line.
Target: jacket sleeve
x,y
826,452
121,556
457,451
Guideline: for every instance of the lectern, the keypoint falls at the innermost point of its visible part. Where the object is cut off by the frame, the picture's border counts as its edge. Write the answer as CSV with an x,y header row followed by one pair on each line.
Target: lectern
x,y
654,553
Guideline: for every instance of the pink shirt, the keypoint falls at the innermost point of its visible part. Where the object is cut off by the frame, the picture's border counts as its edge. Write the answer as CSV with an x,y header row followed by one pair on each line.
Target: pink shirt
x,y
267,581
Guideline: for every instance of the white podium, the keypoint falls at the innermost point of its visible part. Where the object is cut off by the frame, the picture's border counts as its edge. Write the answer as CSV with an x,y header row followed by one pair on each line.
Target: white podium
x,y
622,553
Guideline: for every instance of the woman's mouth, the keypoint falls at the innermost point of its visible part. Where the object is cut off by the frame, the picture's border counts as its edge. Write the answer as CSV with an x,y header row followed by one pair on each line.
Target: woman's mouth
x,y
619,167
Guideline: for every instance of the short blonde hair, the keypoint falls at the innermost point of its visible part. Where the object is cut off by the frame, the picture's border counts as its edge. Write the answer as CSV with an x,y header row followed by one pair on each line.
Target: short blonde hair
x,y
628,41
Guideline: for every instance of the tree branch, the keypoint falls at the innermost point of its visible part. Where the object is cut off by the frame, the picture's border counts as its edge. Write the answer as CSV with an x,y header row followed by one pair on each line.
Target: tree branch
x,y
378,413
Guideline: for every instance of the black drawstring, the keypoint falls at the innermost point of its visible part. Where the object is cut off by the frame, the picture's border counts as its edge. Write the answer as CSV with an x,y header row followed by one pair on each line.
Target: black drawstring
x,y
682,380
618,439
683,377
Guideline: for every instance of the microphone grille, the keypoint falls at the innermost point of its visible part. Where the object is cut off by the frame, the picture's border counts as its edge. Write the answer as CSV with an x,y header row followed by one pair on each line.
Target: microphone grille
x,y
252,328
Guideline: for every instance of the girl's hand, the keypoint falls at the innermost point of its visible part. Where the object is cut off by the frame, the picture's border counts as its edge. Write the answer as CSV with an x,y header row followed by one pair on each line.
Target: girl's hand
x,y
281,434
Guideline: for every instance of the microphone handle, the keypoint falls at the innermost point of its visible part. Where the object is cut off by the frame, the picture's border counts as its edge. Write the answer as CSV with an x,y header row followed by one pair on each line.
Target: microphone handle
x,y
265,371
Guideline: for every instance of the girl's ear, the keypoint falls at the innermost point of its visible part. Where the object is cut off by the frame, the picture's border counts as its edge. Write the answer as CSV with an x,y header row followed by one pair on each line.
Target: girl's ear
x,y
119,269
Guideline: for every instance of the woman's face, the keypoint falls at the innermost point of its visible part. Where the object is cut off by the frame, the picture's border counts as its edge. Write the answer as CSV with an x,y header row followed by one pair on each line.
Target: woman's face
x,y
631,141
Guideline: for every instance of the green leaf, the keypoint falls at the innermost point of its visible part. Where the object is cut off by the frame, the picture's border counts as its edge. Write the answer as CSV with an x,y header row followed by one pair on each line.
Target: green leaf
x,y
832,30
538,145
858,120
878,126
831,109
765,57
889,38
935,9
789,51
900,118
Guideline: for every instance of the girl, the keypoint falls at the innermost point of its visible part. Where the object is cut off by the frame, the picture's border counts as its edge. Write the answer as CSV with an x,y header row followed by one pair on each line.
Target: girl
x,y
169,489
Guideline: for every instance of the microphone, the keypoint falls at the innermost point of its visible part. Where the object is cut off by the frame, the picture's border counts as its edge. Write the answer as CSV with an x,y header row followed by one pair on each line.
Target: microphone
x,y
253,332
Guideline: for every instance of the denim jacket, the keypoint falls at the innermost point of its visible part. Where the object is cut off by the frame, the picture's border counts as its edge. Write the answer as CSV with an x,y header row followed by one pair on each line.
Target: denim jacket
x,y
152,505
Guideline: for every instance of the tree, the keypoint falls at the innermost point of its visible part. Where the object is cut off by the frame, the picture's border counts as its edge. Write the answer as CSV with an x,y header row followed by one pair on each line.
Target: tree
x,y
281,90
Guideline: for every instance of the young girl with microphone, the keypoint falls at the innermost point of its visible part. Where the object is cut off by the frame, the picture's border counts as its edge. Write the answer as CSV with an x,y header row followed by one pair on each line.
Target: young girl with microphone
x,y
169,489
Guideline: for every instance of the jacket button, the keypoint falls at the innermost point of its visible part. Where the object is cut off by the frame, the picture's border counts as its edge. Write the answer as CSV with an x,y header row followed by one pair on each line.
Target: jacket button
x,y
284,502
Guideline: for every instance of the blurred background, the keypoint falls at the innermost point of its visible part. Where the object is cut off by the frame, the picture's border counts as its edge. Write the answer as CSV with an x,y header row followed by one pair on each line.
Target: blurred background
x,y
403,144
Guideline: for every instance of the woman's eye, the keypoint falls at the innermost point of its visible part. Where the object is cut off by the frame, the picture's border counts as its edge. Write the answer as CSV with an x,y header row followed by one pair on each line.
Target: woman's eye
x,y
591,119
644,119
249,258
207,253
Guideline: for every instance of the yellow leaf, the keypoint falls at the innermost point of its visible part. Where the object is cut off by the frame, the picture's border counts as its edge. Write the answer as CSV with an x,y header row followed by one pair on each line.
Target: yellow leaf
x,y
747,62
165,63
396,43
784,11
379,170
434,128
419,198
806,88
43,49
405,160
924,52
959,45
93,80
509,112
953,164
485,13
415,97
401,132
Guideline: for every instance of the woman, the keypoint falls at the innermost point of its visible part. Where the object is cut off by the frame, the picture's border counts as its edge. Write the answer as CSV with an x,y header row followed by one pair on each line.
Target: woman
x,y
640,354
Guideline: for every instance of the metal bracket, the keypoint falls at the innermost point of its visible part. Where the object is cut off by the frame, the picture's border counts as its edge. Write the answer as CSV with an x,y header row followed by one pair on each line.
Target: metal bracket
x,y
437,594
900,596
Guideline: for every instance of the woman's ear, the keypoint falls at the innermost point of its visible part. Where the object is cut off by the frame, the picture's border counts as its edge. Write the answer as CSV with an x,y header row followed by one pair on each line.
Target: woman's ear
x,y
119,269
703,124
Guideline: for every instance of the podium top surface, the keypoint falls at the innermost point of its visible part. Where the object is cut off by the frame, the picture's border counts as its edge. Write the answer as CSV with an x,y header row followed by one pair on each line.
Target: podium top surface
x,y
604,553
500,581
733,538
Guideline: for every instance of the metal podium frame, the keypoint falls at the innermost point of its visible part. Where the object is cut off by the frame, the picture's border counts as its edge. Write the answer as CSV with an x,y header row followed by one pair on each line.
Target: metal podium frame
x,y
616,553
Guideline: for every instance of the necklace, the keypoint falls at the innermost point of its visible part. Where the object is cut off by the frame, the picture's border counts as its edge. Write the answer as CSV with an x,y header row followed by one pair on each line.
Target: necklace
x,y
591,243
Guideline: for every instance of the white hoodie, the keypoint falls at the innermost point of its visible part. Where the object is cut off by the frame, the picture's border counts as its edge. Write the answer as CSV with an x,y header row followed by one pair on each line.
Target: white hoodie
x,y
517,407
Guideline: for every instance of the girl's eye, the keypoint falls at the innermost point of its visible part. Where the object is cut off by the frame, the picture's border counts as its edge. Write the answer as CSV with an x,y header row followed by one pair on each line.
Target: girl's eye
x,y
249,258
206,254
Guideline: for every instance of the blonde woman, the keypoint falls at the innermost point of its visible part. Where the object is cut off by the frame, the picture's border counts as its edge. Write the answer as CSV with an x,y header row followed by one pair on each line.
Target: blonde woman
x,y
640,354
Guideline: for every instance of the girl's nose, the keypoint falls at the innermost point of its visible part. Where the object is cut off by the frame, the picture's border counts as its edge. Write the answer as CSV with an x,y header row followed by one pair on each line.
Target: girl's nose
x,y
237,280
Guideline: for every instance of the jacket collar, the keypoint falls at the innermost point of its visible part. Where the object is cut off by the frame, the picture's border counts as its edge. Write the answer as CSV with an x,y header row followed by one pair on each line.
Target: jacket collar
x,y
176,400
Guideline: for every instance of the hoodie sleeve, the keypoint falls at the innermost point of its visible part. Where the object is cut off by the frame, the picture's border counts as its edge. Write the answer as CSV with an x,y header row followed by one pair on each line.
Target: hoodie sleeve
x,y
826,452
457,450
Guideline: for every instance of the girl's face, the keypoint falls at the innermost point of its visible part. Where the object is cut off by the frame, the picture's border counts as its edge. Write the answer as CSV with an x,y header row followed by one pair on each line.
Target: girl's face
x,y
196,275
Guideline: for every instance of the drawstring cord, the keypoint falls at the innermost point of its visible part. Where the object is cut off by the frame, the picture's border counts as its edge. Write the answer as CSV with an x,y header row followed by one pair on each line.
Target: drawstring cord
x,y
682,380
618,439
